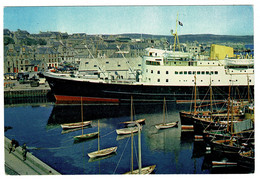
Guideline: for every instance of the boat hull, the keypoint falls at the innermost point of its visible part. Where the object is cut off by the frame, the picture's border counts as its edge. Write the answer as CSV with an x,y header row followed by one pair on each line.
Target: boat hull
x,y
205,124
127,130
102,152
166,125
86,136
75,125
71,89
144,170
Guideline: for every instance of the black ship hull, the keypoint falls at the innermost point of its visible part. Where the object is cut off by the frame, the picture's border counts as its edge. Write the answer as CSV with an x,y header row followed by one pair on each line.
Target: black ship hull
x,y
66,89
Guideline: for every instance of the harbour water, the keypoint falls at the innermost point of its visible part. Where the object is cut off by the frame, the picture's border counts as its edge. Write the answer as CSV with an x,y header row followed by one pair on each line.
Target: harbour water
x,y
171,150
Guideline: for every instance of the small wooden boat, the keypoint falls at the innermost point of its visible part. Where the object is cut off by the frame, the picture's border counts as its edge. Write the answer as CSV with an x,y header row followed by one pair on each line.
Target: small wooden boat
x,y
138,120
86,136
103,152
75,125
144,170
166,125
127,130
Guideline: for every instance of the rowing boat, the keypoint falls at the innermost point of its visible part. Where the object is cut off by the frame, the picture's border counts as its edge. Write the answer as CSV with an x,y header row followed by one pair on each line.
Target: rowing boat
x,y
75,125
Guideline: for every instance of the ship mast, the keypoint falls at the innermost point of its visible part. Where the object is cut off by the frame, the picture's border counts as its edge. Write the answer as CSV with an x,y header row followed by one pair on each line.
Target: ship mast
x,y
176,38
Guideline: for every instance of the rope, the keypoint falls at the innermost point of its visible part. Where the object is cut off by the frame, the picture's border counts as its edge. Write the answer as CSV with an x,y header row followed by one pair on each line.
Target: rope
x,y
107,134
121,156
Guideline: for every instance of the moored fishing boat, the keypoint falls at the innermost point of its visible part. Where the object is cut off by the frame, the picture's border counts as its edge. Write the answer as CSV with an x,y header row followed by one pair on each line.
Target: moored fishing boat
x,y
86,136
138,120
144,170
165,125
103,152
75,125
127,130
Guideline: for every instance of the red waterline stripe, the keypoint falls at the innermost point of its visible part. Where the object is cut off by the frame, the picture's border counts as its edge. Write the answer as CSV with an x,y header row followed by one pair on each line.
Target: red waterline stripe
x,y
89,99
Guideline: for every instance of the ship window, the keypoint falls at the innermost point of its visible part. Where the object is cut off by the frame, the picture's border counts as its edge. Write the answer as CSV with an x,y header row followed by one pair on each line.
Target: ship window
x,y
249,80
181,72
167,72
189,72
86,63
146,70
174,63
216,72
167,80
107,62
158,80
150,54
139,65
201,80
218,80
198,72
151,71
95,65
119,65
194,72
203,72
158,72
207,72
176,73
185,73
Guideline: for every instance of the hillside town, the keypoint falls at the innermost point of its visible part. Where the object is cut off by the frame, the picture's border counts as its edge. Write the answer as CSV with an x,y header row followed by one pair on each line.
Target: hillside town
x,y
25,52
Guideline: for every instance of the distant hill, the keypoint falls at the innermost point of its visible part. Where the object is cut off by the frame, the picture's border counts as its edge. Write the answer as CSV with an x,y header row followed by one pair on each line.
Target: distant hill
x,y
201,38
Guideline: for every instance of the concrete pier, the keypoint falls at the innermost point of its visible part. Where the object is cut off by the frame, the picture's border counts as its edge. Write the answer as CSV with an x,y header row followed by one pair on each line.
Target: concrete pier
x,y
12,89
14,164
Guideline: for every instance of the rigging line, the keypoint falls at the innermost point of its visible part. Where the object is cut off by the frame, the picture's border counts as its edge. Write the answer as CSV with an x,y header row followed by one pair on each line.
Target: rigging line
x,y
135,152
203,99
48,148
192,97
246,141
107,134
121,155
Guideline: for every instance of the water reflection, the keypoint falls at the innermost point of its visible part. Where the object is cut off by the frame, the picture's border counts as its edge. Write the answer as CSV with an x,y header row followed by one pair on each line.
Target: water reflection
x,y
171,150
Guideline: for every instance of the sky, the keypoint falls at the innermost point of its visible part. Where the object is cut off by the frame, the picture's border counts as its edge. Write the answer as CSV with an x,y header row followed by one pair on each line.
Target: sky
x,y
147,19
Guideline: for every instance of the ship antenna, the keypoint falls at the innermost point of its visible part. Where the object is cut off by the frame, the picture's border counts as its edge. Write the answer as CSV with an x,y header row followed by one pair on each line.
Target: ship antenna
x,y
176,38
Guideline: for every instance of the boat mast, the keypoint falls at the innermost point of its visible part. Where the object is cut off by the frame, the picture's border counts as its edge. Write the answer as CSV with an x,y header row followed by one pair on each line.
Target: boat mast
x,y
98,137
229,91
176,38
195,95
211,108
132,139
164,110
82,114
248,89
232,116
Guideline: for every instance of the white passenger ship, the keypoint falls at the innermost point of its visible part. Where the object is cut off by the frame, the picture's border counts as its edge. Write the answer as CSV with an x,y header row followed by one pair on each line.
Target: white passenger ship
x,y
169,74
164,74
